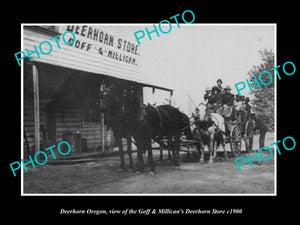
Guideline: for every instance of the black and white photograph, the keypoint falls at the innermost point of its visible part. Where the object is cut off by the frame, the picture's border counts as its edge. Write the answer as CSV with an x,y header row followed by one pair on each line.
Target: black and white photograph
x,y
174,113
133,113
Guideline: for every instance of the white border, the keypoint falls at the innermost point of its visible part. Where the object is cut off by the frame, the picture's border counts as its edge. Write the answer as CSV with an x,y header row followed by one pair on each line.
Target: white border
x,y
153,194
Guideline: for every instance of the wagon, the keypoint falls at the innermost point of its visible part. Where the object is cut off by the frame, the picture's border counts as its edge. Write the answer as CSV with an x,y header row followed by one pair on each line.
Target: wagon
x,y
233,137
239,131
236,132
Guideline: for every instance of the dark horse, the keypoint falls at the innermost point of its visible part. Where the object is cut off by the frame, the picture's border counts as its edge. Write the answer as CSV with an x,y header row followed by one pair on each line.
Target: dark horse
x,y
121,108
156,123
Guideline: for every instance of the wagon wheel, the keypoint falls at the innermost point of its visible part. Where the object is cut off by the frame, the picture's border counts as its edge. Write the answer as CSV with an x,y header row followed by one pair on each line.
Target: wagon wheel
x,y
235,140
248,137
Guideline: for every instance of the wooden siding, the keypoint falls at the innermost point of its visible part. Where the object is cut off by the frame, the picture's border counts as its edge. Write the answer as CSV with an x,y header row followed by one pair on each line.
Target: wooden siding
x,y
57,68
28,116
88,60
68,119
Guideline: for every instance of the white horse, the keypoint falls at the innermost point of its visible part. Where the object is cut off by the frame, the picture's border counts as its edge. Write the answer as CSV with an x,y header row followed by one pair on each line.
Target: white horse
x,y
211,128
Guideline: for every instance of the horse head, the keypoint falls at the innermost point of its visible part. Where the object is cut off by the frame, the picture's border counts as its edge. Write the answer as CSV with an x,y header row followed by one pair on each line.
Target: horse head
x,y
202,111
106,98
146,112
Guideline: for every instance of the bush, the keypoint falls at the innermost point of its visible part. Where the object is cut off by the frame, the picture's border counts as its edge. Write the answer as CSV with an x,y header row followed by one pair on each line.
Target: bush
x,y
263,103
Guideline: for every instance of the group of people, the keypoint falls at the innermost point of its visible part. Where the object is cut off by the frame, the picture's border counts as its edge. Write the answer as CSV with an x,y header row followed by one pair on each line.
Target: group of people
x,y
231,107
222,101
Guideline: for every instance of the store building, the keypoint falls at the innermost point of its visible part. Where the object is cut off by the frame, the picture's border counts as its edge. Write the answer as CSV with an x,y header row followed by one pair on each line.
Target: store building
x,y
61,90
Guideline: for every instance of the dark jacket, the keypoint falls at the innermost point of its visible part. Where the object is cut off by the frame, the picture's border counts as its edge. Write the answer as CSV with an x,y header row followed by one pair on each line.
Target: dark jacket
x,y
206,96
248,108
214,98
227,99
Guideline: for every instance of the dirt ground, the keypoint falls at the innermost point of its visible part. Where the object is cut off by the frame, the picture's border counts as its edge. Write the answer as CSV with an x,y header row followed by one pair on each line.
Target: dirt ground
x,y
101,175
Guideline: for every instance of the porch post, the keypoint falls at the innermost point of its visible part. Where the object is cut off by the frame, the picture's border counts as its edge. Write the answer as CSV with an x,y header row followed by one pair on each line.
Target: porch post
x,y
103,132
102,87
36,105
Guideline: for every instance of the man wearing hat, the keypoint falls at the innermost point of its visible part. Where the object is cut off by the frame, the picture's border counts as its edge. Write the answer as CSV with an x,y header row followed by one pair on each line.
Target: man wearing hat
x,y
260,125
221,90
237,107
214,100
228,97
219,85
247,106
207,94
227,103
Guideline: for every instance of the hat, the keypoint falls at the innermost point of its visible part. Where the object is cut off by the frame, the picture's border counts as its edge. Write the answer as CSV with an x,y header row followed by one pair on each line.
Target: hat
x,y
219,80
208,89
227,87
215,88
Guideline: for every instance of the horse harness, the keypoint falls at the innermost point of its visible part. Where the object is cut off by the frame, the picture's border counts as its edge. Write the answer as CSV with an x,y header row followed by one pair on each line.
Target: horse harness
x,y
208,122
143,114
160,117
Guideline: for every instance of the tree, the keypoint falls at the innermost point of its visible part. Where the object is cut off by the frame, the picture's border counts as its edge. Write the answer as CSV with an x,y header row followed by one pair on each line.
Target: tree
x,y
263,103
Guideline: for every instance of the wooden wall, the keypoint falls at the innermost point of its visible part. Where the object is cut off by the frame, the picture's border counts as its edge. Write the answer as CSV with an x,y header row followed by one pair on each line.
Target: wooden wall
x,y
61,100
67,119
81,57
59,70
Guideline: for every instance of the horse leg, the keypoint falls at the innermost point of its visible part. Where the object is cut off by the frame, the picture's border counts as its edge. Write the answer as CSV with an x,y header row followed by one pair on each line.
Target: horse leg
x,y
150,157
211,151
211,144
119,143
223,145
170,147
225,153
201,160
129,150
169,155
140,165
188,157
161,156
215,144
176,151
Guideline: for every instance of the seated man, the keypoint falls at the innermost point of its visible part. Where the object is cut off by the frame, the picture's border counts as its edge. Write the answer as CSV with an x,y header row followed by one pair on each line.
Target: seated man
x,y
227,102
219,85
237,106
248,106
207,94
214,100
227,105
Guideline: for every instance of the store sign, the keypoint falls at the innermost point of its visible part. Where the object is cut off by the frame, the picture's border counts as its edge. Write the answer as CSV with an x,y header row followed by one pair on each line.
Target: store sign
x,y
95,40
